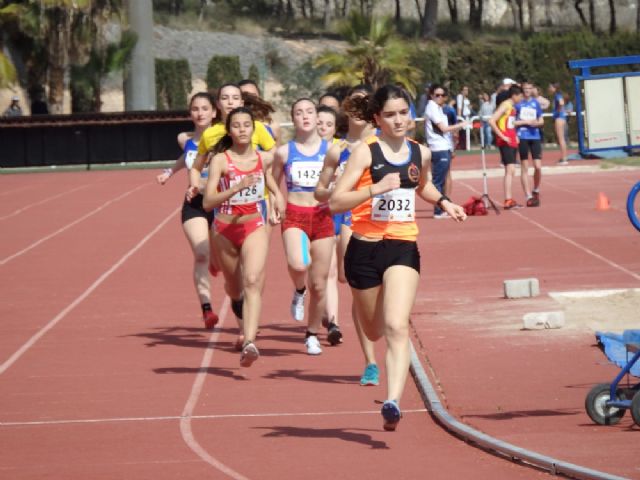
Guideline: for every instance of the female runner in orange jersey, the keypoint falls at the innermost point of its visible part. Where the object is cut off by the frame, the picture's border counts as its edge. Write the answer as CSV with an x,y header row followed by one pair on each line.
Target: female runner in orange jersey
x,y
380,183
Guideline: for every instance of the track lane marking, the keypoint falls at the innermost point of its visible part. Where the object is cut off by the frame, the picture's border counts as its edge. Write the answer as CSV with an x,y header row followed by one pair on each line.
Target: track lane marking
x,y
37,423
54,321
586,250
40,202
68,226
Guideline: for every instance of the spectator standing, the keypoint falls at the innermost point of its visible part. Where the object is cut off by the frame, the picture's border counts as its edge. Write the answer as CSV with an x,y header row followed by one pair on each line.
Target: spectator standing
x,y
568,109
503,124
528,123
463,109
485,112
559,120
438,133
502,93
14,109
424,98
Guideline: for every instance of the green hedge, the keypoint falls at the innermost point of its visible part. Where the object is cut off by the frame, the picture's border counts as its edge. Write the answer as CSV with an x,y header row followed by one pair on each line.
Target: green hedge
x,y
541,58
223,69
173,84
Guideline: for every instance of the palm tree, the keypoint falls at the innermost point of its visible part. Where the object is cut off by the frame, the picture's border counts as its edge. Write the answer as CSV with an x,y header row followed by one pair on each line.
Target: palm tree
x,y
54,34
375,56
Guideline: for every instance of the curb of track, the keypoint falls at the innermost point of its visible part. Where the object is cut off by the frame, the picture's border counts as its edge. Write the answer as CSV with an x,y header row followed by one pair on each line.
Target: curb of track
x,y
487,442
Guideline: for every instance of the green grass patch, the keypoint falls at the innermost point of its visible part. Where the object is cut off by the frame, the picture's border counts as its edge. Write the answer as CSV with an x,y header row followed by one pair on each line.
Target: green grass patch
x,y
617,162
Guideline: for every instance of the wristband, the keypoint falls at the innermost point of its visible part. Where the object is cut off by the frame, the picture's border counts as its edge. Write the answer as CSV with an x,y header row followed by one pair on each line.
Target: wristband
x,y
442,199
168,171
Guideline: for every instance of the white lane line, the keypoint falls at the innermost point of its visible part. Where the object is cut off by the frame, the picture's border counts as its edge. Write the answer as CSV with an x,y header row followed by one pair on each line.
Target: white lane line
x,y
569,241
48,199
19,189
68,226
580,247
52,323
196,389
198,417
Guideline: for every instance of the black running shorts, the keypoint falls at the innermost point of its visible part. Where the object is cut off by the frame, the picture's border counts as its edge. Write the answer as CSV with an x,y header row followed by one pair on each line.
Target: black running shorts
x,y
508,155
194,209
533,146
365,262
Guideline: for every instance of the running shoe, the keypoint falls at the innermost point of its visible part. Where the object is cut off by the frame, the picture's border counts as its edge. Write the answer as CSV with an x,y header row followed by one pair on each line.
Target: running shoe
x,y
536,194
563,161
297,306
313,345
210,319
510,203
441,216
334,337
236,307
533,202
371,376
391,414
250,354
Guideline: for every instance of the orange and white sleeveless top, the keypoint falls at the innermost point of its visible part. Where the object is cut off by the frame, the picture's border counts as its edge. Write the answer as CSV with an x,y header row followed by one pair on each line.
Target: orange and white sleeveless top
x,y
390,215
246,201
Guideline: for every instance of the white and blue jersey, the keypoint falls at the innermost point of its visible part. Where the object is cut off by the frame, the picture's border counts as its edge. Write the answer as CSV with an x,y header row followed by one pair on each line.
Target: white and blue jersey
x,y
190,154
302,172
343,218
528,109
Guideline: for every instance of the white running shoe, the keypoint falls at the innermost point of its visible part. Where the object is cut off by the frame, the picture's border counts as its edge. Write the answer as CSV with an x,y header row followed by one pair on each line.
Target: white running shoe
x,y
297,306
313,345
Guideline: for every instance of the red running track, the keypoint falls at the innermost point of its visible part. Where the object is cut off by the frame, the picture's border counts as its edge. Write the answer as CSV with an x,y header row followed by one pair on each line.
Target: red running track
x,y
107,373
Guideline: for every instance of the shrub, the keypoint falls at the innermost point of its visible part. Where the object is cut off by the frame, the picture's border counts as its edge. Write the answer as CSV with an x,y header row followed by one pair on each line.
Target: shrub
x,y
223,69
173,84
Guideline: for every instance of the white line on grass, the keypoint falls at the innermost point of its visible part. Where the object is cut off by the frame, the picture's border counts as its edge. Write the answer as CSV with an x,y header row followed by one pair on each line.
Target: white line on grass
x,y
68,226
54,321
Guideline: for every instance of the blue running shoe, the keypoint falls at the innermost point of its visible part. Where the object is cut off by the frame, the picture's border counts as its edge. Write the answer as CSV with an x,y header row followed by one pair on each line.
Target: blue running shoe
x,y
391,415
371,376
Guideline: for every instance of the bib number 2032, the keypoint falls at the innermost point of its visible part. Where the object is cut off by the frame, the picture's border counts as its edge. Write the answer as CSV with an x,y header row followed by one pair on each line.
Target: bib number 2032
x,y
395,206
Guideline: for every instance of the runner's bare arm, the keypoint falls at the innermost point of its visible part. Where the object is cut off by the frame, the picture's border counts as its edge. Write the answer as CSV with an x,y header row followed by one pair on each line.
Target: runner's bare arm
x,y
331,159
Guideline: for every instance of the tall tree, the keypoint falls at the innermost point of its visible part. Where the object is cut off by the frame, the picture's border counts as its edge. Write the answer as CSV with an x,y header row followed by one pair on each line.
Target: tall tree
x,y
592,14
428,15
548,18
398,14
517,13
475,14
532,15
453,10
374,56
612,18
327,15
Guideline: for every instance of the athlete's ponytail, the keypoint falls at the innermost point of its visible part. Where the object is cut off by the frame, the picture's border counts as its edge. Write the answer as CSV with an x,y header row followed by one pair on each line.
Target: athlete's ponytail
x,y
260,108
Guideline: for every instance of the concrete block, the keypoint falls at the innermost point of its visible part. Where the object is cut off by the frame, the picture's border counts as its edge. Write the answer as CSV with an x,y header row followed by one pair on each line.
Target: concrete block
x,y
525,287
542,320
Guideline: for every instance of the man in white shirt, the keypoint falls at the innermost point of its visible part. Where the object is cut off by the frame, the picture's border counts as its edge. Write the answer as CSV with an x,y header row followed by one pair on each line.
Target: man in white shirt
x,y
438,135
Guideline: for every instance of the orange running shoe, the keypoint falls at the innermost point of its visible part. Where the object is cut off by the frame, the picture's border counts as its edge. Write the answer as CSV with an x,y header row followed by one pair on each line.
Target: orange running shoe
x,y
510,203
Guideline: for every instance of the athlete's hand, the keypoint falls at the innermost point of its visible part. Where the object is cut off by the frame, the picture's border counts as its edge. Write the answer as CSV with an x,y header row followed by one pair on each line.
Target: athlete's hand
x,y
192,191
389,182
455,211
249,180
162,178
278,209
